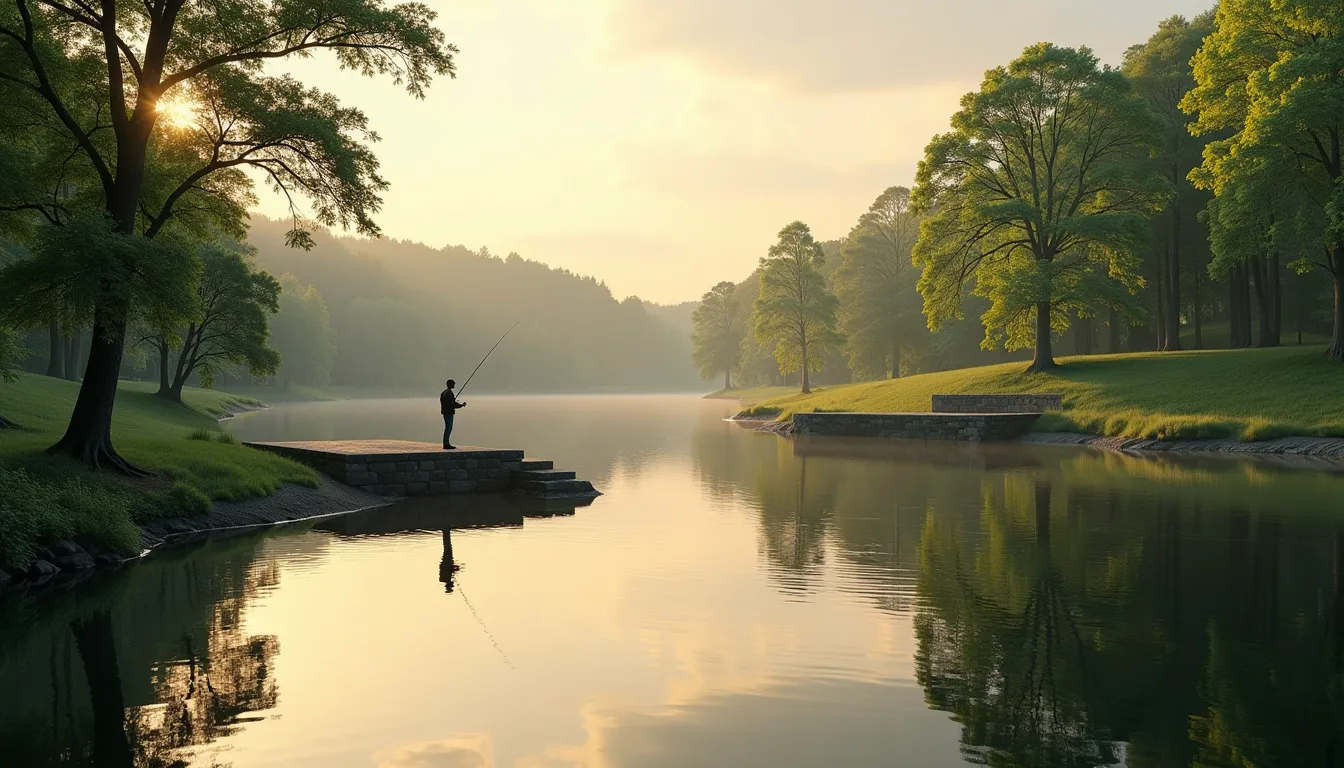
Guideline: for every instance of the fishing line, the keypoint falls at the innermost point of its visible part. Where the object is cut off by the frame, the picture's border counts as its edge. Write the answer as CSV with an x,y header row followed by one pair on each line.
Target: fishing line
x,y
486,629
483,359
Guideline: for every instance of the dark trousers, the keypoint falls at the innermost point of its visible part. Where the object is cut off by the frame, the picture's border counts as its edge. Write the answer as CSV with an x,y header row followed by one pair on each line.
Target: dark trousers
x,y
447,429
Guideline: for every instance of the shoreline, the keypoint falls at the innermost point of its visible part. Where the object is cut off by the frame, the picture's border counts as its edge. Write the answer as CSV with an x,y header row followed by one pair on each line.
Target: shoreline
x,y
1322,452
65,563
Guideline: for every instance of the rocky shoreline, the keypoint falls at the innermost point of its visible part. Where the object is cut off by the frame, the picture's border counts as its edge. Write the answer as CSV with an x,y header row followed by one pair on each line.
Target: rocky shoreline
x,y
1322,452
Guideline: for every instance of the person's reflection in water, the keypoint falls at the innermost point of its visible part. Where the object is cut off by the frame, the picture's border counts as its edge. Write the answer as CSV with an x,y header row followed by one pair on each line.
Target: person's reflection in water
x,y
447,565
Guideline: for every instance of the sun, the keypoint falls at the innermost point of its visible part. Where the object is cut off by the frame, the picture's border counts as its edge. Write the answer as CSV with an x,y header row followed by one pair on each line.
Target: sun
x,y
178,113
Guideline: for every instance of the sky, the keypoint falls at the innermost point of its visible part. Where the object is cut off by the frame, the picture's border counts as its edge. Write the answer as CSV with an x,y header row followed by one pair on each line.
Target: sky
x,y
660,145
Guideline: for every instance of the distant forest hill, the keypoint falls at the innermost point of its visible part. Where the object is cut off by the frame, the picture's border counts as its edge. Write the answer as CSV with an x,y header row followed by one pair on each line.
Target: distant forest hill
x,y
395,314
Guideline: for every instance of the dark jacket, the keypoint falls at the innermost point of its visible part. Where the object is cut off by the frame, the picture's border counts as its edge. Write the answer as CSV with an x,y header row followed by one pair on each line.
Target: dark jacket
x,y
448,404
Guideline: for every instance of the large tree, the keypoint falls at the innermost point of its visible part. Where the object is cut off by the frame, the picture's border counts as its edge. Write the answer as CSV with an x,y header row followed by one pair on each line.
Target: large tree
x,y
875,284
229,328
209,58
1161,71
1270,74
717,330
796,310
1036,197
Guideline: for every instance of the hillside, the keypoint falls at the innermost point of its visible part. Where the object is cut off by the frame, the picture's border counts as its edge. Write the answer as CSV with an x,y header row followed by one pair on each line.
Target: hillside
x,y
408,315
1247,394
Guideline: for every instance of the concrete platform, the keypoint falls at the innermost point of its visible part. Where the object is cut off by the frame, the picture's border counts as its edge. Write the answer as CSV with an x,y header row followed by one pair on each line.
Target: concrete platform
x,y
403,468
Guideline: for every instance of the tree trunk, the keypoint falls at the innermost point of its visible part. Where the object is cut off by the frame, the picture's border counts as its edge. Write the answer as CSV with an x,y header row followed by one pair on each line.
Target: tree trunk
x,y
1113,332
895,358
1199,326
56,356
1264,302
1276,295
727,376
1239,310
74,353
1172,335
1044,359
1161,325
164,384
98,652
88,438
807,384
1336,349
1082,336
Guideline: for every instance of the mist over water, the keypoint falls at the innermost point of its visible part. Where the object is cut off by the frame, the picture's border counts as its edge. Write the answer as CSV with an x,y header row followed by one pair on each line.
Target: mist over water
x,y
733,599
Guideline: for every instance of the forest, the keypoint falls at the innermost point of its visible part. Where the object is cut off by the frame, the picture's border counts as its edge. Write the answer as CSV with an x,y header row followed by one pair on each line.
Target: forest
x,y
1184,200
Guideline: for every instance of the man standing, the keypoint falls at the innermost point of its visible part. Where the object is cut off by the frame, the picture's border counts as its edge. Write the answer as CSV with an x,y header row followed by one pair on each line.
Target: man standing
x,y
448,405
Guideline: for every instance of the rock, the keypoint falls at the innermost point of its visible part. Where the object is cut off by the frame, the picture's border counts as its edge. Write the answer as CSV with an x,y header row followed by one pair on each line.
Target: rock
x,y
63,548
76,562
108,560
41,569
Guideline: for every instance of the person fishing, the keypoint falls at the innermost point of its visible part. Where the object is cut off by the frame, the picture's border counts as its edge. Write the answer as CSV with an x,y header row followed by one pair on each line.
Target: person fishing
x,y
448,405
448,401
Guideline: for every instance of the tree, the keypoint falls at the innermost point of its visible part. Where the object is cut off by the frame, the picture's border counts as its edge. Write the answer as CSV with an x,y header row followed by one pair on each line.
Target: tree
x,y
152,176
1035,197
796,311
302,333
1161,72
1269,74
875,285
230,326
717,333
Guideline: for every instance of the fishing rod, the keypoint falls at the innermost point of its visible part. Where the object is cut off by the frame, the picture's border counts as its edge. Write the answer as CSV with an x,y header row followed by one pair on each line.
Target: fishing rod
x,y
483,359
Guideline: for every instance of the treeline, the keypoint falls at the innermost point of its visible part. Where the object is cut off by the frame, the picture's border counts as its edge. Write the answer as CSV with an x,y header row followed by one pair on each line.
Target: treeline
x,y
1186,200
394,315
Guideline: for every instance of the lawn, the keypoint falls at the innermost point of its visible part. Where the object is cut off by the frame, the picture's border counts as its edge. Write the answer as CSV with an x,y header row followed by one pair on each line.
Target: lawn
x,y
193,459
752,395
1245,394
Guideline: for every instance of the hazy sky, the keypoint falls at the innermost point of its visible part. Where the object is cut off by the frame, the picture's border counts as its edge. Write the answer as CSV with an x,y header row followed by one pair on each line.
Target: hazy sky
x,y
661,144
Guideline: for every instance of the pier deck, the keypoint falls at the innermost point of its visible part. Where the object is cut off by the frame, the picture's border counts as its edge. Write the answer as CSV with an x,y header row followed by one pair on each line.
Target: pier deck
x,y
404,468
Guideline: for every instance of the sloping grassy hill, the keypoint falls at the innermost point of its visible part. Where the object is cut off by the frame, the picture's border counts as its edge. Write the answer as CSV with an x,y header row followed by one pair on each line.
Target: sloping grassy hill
x,y
1245,394
45,497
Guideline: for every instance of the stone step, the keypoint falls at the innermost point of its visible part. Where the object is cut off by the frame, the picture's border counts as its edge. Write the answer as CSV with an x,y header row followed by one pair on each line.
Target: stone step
x,y
528,465
552,487
524,475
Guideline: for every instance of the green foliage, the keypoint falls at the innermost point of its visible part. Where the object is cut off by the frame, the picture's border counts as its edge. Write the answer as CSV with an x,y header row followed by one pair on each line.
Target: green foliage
x,y
229,327
73,267
43,507
11,352
1260,393
302,333
1036,200
875,285
1267,82
795,310
717,332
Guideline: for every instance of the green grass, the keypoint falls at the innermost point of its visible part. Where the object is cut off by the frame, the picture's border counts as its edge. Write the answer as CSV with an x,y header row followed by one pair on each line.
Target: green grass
x,y
752,395
194,460
1246,394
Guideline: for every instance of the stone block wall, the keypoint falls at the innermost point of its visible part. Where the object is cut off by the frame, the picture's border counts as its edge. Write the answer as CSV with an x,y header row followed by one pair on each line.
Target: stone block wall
x,y
424,474
997,403
916,426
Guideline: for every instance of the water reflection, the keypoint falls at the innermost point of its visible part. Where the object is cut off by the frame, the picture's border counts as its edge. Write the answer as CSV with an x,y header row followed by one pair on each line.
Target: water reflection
x,y
734,599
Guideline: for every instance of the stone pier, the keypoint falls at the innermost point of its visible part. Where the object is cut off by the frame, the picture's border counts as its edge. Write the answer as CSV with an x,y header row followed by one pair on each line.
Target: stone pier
x,y
402,468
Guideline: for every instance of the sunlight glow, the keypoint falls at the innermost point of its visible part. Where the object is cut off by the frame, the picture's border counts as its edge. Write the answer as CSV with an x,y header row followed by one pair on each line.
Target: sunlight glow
x,y
178,113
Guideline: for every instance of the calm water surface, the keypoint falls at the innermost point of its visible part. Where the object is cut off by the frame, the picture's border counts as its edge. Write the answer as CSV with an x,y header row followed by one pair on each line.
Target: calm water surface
x,y
735,599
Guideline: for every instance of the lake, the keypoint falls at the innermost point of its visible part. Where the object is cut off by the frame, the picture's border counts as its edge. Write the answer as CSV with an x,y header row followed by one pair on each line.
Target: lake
x,y
734,599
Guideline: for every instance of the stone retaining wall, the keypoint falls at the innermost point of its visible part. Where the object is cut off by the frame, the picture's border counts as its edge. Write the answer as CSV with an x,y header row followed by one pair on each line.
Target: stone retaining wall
x,y
916,426
412,474
997,403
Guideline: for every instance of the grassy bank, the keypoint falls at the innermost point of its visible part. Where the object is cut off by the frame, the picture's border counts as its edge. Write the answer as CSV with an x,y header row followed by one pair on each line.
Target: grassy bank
x,y
194,461
752,395
1247,394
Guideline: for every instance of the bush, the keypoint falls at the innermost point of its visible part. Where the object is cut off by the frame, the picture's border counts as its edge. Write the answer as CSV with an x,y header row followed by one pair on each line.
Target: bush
x,y
69,508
